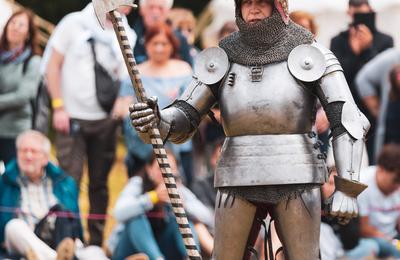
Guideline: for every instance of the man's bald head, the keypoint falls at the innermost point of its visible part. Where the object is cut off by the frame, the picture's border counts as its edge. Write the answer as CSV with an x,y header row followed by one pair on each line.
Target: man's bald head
x,y
154,12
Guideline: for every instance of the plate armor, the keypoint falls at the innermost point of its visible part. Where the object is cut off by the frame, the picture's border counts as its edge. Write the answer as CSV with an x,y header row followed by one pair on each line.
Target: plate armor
x,y
267,114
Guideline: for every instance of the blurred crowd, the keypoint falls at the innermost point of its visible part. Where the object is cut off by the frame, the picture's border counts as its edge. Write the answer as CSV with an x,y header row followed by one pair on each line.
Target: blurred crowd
x,y
56,98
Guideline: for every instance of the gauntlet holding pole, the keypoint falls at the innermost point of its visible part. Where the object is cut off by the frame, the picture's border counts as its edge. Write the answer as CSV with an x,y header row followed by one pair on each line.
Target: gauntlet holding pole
x,y
156,141
110,6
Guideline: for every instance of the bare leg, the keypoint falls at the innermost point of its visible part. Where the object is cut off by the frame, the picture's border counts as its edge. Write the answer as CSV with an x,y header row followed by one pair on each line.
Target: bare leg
x,y
298,223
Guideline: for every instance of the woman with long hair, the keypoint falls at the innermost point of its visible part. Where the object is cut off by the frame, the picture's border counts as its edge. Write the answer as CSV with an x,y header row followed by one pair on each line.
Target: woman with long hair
x,y
163,75
19,79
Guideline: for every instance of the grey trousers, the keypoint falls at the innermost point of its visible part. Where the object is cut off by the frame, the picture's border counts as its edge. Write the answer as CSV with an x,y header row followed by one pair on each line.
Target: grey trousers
x,y
94,141
297,224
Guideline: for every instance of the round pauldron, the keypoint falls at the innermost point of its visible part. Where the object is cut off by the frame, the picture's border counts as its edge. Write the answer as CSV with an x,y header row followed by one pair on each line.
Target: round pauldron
x,y
211,65
306,63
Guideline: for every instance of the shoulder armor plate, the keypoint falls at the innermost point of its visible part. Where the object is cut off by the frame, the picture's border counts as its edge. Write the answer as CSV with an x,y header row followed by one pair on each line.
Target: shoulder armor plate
x,y
306,63
211,65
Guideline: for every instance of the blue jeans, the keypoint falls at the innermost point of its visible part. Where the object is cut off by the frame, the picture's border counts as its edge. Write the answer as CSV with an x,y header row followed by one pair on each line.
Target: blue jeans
x,y
138,237
373,246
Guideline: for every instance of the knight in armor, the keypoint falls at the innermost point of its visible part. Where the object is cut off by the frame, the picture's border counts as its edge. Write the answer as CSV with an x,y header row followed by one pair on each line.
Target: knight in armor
x,y
266,79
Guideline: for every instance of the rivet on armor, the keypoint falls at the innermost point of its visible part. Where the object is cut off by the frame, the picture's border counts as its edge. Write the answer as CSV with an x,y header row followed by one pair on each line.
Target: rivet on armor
x,y
308,63
231,79
322,156
318,144
211,67
312,134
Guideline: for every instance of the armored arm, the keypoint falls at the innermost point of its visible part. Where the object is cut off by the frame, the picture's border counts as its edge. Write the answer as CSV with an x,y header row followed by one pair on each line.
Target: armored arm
x,y
349,126
319,70
179,121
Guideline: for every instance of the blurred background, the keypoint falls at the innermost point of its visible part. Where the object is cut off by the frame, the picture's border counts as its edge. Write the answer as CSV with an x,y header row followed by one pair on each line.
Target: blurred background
x,y
212,14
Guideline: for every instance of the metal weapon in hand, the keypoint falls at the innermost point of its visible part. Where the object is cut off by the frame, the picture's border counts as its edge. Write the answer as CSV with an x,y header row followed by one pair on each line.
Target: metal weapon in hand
x,y
109,7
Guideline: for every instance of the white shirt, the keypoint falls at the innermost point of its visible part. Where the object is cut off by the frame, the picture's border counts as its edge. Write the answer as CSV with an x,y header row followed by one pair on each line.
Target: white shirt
x,y
70,38
382,210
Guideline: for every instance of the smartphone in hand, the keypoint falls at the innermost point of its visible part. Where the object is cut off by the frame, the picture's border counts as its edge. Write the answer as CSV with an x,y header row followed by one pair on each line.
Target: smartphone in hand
x,y
368,19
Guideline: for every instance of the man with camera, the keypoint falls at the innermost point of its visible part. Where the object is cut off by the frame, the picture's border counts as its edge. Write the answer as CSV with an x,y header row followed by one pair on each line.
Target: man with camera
x,y
358,45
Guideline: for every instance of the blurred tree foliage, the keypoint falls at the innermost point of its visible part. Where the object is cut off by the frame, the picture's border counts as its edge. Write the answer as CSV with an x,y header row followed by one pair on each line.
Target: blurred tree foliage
x,y
54,10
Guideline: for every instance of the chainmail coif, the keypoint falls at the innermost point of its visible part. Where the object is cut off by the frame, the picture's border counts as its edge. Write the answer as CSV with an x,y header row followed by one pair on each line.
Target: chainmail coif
x,y
267,41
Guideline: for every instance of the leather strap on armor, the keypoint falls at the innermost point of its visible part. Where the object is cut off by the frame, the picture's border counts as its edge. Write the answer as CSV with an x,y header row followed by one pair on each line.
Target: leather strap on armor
x,y
349,187
189,111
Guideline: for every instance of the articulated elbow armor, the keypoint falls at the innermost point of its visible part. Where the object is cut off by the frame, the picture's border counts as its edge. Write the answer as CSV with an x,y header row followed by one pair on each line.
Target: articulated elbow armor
x,y
349,126
180,119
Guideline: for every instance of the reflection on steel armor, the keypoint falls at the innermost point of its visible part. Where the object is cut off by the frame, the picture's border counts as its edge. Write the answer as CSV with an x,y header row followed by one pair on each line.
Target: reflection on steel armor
x,y
307,63
269,160
211,65
253,107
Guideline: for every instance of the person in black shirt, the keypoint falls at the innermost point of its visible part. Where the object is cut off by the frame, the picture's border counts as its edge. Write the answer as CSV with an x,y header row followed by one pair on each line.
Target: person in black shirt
x,y
355,47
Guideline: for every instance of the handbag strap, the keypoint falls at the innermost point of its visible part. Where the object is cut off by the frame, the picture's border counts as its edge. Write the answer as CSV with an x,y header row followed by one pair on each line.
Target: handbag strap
x,y
91,42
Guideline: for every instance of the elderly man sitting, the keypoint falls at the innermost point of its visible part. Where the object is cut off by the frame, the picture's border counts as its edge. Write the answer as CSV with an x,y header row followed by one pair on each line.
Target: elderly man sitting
x,y
31,188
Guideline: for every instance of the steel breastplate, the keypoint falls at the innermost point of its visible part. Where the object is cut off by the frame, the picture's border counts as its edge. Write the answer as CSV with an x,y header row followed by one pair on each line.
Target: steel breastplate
x,y
265,100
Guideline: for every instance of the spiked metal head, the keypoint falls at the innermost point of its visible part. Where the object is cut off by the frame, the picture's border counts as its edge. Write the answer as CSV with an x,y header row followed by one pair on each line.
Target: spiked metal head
x,y
102,7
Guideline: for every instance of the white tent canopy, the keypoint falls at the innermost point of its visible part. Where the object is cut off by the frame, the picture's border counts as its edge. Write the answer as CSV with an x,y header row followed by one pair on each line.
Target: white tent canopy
x,y
5,13
330,15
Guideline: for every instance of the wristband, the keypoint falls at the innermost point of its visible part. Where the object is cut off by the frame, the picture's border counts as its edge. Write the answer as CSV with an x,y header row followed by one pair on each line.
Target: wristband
x,y
153,196
57,103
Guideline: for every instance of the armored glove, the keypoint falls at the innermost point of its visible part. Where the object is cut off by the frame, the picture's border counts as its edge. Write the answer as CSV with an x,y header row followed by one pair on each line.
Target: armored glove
x,y
343,202
145,115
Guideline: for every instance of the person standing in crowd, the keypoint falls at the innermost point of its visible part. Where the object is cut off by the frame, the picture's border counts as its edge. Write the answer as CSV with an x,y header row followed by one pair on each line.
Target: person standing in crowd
x,y
355,47
34,186
19,79
379,207
164,76
152,13
377,88
183,21
84,130
270,162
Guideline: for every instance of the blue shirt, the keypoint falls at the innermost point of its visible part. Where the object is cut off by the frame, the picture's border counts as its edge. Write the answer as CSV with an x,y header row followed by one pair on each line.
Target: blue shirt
x,y
166,90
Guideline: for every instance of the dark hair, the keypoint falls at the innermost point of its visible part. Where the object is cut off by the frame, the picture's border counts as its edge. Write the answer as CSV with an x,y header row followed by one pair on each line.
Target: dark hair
x,y
389,158
394,77
163,28
32,40
358,3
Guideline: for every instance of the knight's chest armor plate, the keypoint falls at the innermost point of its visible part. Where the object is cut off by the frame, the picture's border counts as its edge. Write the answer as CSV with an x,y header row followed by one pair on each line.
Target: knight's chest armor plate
x,y
265,100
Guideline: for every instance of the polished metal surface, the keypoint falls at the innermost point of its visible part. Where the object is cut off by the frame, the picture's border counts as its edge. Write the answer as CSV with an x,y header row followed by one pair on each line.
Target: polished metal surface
x,y
211,65
298,225
175,125
276,105
269,160
306,63
355,122
348,156
199,96
334,88
103,7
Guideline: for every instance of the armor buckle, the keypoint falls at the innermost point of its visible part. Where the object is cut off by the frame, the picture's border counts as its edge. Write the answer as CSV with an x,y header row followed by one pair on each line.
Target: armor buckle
x,y
256,73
